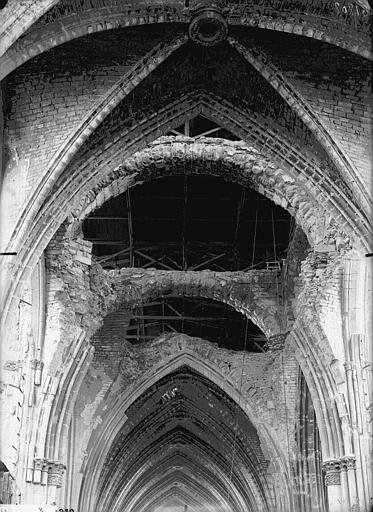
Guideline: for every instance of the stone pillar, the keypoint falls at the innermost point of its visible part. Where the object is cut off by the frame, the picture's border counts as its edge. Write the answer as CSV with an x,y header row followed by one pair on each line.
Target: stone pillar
x,y
37,367
37,491
39,474
332,473
344,489
348,463
55,473
46,478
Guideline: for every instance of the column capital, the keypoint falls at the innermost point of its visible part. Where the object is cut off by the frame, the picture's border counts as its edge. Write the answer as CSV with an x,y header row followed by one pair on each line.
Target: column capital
x,y
349,365
40,462
36,364
55,472
332,470
348,462
39,471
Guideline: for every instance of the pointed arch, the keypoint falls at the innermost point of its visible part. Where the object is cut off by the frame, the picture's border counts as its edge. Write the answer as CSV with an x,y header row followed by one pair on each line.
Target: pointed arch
x,y
140,70
314,356
98,447
273,75
60,28
288,166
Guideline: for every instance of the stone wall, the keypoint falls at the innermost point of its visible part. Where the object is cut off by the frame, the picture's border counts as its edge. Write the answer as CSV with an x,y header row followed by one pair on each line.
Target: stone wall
x,y
44,103
48,97
77,130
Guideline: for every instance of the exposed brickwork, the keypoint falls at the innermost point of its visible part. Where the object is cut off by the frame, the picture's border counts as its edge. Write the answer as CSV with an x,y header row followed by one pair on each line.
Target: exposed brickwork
x,y
229,152
68,263
297,252
58,93
191,61
17,17
109,340
58,57
311,117
87,291
262,373
69,260
340,99
207,156
253,293
90,103
44,104
282,112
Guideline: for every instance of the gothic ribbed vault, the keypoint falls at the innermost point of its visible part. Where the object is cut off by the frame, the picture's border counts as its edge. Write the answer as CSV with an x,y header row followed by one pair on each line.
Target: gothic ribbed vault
x,y
186,242
184,439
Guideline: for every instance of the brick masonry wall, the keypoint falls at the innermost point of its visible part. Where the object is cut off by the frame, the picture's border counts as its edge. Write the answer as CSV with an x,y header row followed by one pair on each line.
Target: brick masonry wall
x,y
337,85
318,295
253,293
269,382
74,18
74,292
69,322
46,99
109,342
80,293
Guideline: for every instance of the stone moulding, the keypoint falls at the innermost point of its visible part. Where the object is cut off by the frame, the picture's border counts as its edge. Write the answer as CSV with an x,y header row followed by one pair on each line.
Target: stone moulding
x,y
273,75
114,96
333,468
61,160
208,27
253,293
111,426
348,29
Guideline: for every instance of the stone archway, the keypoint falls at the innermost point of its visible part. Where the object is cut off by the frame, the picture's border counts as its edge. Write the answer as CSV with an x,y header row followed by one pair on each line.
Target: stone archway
x,y
51,24
182,355
81,127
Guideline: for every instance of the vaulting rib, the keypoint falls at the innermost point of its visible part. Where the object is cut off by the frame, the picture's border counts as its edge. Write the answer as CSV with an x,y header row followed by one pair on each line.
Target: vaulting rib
x,y
41,37
294,99
23,15
48,226
93,119
191,448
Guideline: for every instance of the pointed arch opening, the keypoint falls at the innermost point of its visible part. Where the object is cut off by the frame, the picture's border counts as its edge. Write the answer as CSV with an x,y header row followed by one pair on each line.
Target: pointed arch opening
x,y
260,489
184,432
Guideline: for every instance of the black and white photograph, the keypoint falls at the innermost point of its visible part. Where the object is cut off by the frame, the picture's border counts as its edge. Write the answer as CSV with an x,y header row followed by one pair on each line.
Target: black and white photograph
x,y
186,256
